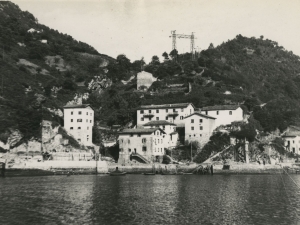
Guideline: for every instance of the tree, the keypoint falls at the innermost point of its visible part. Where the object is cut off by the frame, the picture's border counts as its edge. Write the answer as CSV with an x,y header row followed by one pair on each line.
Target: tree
x,y
165,55
173,54
211,46
155,60
123,61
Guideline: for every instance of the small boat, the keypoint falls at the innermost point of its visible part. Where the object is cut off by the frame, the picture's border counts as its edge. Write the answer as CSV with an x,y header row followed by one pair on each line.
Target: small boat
x,y
117,173
149,173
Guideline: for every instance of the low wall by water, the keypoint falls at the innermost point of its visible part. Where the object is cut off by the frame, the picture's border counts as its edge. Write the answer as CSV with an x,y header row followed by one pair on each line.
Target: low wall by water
x,y
57,167
248,169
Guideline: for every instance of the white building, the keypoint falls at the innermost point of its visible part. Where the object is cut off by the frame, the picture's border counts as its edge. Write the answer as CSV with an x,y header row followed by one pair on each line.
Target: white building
x,y
224,114
199,127
79,122
292,139
171,136
144,80
146,144
174,113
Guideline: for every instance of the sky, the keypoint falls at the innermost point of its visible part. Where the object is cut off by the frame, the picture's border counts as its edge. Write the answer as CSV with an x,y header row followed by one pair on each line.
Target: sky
x,y
142,28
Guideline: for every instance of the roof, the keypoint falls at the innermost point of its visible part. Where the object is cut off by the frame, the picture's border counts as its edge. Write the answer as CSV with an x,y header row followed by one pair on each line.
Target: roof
x,y
140,131
166,106
77,106
200,114
220,107
173,133
158,122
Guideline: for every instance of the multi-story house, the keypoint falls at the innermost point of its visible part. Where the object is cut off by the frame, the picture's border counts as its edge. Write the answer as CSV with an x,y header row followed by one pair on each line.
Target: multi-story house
x,y
224,114
79,122
199,127
171,136
174,113
146,144
292,139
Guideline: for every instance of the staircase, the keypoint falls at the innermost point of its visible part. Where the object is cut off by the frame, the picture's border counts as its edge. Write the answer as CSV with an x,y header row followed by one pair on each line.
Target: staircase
x,y
140,158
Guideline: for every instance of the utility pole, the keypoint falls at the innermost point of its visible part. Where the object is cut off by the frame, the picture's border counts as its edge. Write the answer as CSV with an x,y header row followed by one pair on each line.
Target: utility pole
x,y
191,151
2,72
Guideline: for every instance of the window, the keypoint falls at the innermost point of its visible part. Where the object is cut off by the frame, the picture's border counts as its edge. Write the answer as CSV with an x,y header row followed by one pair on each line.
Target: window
x,y
79,112
79,120
181,110
79,128
150,119
166,118
88,128
166,110
293,142
79,139
205,112
164,127
142,119
181,117
71,120
157,111
144,140
128,141
131,135
162,141
174,110
87,113
200,120
201,128
157,118
194,135
161,149
139,135
293,150
87,120
87,139
190,135
71,128
142,111
155,149
200,135
157,141
217,112
150,111
71,112
192,128
91,114
90,121
230,112
129,150
192,120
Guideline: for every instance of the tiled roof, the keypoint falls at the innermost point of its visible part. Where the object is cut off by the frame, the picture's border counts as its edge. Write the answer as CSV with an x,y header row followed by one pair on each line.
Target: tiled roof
x,y
158,122
139,131
77,106
220,107
166,106
201,115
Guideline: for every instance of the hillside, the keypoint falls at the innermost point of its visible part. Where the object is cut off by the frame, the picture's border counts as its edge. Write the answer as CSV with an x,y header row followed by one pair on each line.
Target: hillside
x,y
43,69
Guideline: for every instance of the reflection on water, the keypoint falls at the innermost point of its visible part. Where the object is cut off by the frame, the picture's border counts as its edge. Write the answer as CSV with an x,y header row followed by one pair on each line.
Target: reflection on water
x,y
139,199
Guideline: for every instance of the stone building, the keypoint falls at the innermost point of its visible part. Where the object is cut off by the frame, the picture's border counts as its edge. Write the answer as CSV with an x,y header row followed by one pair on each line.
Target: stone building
x,y
291,138
174,113
146,144
199,127
171,136
144,80
79,122
224,114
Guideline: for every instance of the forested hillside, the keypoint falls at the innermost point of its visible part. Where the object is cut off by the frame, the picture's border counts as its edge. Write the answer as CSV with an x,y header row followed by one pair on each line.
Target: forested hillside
x,y
43,69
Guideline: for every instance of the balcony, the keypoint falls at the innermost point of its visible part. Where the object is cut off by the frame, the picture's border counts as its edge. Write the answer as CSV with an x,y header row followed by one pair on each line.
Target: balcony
x,y
148,115
174,113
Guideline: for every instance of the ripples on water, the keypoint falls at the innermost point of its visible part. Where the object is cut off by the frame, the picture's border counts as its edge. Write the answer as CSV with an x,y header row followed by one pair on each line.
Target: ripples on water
x,y
139,199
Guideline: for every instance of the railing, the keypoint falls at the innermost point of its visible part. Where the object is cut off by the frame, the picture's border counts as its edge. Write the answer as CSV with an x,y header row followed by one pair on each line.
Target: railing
x,y
141,157
148,115
173,113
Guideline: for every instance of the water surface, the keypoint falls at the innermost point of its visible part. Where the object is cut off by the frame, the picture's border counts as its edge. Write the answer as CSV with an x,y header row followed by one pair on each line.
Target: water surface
x,y
139,199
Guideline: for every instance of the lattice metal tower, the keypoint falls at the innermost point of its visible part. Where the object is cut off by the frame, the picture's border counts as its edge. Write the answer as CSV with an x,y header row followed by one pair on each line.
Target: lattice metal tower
x,y
192,37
